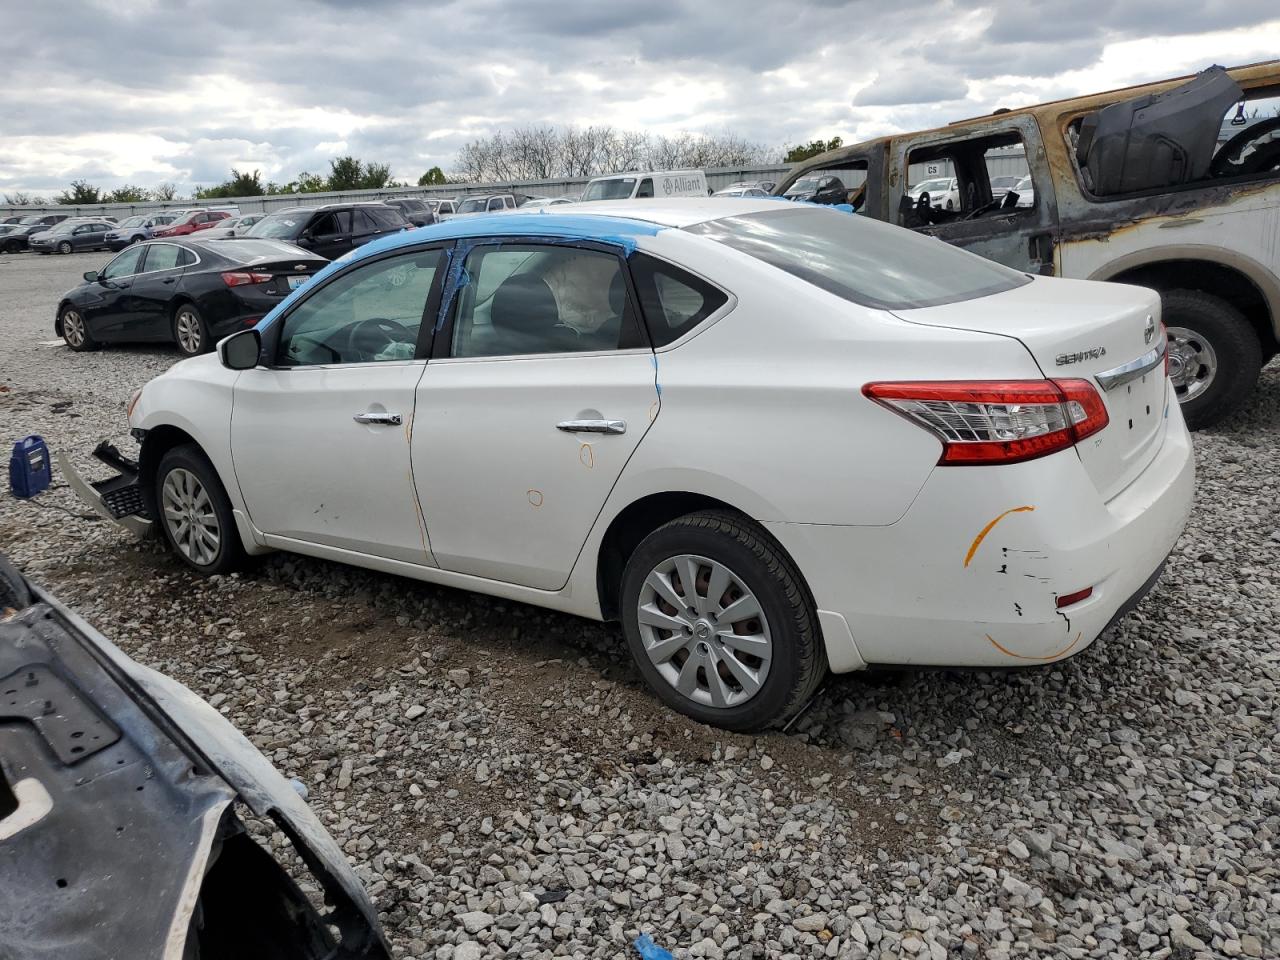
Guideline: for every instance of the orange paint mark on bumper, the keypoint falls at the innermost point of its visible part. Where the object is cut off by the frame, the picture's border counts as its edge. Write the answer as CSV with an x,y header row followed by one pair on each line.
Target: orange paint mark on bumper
x,y
982,535
1020,656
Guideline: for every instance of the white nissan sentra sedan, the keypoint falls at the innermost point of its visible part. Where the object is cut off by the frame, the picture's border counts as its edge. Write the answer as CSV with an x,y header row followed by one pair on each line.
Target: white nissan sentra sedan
x,y
771,439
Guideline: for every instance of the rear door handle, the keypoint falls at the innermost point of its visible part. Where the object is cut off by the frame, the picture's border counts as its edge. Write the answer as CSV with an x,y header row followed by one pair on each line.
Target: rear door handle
x,y
381,419
592,426
169,280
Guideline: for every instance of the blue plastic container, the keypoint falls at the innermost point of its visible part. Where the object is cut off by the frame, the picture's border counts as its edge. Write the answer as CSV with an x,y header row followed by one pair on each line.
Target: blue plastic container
x,y
29,471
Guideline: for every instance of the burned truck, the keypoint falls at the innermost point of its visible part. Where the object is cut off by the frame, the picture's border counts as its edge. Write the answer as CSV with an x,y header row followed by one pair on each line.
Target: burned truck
x,y
1172,185
127,808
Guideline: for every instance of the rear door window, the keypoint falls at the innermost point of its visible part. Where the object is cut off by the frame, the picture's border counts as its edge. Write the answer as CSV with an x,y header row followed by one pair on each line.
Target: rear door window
x,y
162,256
536,299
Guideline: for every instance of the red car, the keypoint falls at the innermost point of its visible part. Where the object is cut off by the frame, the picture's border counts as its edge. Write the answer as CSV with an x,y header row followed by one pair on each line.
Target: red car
x,y
190,223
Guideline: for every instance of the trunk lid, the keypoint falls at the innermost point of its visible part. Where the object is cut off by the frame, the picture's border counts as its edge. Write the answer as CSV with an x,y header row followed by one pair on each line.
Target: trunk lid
x,y
1106,333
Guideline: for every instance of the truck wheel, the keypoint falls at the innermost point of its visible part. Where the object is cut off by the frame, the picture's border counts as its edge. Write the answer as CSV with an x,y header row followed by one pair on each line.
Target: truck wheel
x,y
194,512
1214,355
720,623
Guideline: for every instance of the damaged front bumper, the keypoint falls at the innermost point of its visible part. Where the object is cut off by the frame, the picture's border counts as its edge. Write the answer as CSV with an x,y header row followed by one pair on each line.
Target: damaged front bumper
x,y
120,827
119,499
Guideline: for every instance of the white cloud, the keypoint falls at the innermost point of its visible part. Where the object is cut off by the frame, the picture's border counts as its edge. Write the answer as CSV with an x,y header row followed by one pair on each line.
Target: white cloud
x,y
164,91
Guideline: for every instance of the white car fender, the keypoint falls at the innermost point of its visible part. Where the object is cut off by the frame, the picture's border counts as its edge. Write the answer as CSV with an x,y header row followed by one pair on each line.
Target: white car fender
x,y
195,396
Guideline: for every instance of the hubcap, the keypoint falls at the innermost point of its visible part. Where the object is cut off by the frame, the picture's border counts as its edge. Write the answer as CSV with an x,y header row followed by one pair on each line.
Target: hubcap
x,y
73,328
190,517
189,332
704,631
1192,363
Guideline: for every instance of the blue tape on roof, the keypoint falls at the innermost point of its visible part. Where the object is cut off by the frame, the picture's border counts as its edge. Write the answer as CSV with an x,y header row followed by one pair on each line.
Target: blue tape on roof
x,y
548,227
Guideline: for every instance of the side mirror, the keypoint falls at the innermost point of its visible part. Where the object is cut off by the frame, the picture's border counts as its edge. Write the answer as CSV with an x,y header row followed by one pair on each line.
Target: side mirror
x,y
240,351
91,276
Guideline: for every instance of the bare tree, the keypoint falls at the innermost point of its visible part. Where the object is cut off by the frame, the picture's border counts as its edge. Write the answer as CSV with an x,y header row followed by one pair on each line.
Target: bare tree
x,y
546,152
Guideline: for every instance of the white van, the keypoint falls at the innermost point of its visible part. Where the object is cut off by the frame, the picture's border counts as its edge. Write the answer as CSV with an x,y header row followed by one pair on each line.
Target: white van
x,y
652,183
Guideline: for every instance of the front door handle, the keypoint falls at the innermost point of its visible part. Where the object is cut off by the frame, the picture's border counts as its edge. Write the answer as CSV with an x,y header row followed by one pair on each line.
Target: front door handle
x,y
380,419
592,426
169,280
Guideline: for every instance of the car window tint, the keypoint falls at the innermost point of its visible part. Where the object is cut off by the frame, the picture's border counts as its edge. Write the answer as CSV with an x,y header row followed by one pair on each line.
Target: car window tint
x,y
370,313
645,189
124,265
533,299
673,301
185,257
389,218
364,223
162,256
325,225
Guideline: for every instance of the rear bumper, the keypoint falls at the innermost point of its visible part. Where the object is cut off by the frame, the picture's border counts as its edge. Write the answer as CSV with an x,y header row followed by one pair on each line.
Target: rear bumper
x,y
971,574
119,499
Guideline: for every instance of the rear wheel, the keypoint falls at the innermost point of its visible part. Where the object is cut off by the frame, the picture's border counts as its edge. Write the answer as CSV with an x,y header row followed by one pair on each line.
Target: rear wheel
x,y
189,331
720,623
1214,355
194,512
64,247
75,331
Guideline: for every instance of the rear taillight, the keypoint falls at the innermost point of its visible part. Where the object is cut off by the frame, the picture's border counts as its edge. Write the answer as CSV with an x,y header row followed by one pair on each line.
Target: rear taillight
x,y
997,421
238,278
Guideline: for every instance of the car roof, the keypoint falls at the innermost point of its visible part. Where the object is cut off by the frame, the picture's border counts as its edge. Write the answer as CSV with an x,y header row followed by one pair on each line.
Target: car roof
x,y
606,221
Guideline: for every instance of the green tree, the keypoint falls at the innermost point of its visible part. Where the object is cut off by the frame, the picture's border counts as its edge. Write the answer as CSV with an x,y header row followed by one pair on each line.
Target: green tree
x,y
345,173
80,193
348,173
240,185
432,177
22,199
811,149
165,191
127,194
376,176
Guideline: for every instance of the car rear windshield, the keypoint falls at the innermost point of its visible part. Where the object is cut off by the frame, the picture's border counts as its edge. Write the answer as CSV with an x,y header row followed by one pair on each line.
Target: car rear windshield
x,y
863,260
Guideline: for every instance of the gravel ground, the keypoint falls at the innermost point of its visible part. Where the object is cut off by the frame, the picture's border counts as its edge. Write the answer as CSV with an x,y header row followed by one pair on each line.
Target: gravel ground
x,y
507,788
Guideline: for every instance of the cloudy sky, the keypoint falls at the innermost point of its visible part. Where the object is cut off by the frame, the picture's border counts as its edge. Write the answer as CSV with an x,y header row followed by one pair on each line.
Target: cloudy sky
x,y
144,91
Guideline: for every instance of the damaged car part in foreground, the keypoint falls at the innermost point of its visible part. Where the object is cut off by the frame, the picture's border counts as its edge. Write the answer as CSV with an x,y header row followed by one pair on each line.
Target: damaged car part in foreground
x,y
119,831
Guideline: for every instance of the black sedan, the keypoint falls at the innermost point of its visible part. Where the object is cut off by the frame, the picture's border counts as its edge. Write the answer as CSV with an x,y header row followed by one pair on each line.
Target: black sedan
x,y
185,291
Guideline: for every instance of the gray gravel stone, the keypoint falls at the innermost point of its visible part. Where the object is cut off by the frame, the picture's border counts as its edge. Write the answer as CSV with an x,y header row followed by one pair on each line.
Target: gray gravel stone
x,y
1141,777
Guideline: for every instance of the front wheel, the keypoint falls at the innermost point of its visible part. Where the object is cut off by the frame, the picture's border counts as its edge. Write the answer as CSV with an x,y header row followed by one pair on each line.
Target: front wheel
x,y
720,623
189,330
75,330
1214,355
194,512
64,247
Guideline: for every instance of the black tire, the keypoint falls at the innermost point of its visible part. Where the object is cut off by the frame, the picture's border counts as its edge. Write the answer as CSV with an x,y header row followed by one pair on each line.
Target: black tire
x,y
67,326
12,248
229,554
1234,343
798,659
203,341
65,247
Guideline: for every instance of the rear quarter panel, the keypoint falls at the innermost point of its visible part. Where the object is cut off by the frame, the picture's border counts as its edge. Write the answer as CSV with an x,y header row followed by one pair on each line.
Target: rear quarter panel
x,y
763,408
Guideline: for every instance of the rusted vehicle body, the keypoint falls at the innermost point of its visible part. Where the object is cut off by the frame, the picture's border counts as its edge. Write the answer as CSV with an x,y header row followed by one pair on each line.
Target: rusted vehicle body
x,y
1203,228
